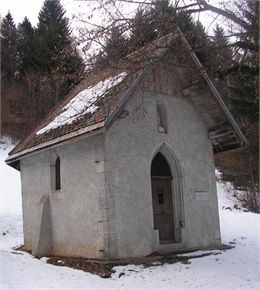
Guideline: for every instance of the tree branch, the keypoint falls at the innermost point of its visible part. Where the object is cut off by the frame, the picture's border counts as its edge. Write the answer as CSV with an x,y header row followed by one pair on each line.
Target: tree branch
x,y
245,45
226,13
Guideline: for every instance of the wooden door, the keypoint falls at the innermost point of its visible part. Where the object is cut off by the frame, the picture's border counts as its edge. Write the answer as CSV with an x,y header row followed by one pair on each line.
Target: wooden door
x,y
162,209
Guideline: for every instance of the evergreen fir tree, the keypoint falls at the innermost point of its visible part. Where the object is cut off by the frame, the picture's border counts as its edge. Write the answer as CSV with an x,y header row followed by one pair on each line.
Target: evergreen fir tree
x,y
222,50
142,30
116,45
56,54
13,99
219,61
26,46
164,17
200,43
8,48
238,82
43,63
53,35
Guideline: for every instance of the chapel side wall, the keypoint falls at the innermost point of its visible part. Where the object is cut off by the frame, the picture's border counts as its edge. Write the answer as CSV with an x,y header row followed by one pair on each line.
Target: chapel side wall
x,y
75,208
130,145
34,184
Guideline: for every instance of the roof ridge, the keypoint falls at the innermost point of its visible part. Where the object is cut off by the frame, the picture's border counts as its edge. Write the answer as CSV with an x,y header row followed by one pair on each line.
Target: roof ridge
x,y
108,111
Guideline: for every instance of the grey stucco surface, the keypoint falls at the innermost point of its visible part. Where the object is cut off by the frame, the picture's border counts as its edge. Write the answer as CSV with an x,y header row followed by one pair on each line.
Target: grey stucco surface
x,y
130,145
104,208
74,209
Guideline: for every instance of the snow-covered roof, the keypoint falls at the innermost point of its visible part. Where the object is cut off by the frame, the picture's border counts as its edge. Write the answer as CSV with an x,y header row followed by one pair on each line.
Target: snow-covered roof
x,y
84,102
97,100
84,109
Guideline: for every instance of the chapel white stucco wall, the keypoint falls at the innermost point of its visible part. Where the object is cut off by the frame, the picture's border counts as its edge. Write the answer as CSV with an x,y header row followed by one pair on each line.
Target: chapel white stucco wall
x,y
130,145
76,228
104,207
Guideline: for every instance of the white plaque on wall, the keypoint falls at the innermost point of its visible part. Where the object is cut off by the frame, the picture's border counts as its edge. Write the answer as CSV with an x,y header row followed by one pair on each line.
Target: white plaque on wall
x,y
201,195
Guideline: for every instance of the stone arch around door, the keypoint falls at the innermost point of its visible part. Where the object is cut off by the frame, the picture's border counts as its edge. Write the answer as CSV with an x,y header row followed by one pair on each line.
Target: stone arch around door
x,y
167,195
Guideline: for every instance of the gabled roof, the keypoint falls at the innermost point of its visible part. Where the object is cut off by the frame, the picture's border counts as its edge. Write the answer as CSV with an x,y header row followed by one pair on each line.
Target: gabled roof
x,y
96,101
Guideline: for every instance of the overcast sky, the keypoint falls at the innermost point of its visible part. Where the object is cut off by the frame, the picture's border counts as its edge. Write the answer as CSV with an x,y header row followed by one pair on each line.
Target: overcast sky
x,y
20,9
30,8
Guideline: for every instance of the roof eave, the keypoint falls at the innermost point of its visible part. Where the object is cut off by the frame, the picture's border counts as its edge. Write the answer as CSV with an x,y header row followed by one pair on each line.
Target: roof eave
x,y
159,53
108,121
239,134
88,131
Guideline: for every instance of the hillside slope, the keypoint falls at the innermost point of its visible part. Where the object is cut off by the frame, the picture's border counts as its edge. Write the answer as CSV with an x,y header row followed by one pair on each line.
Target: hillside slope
x,y
238,268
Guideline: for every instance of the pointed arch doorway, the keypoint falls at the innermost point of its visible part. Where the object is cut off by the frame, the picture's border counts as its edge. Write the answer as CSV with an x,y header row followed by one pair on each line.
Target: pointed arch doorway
x,y
163,214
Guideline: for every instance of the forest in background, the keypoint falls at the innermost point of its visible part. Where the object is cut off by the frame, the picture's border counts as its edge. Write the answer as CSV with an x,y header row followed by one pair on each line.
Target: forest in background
x,y
39,66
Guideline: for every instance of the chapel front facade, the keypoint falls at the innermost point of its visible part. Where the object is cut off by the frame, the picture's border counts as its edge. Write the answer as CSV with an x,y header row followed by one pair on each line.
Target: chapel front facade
x,y
143,186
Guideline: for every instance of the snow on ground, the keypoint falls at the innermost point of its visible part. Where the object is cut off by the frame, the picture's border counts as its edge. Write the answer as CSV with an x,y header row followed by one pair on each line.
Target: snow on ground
x,y
233,269
83,103
10,186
